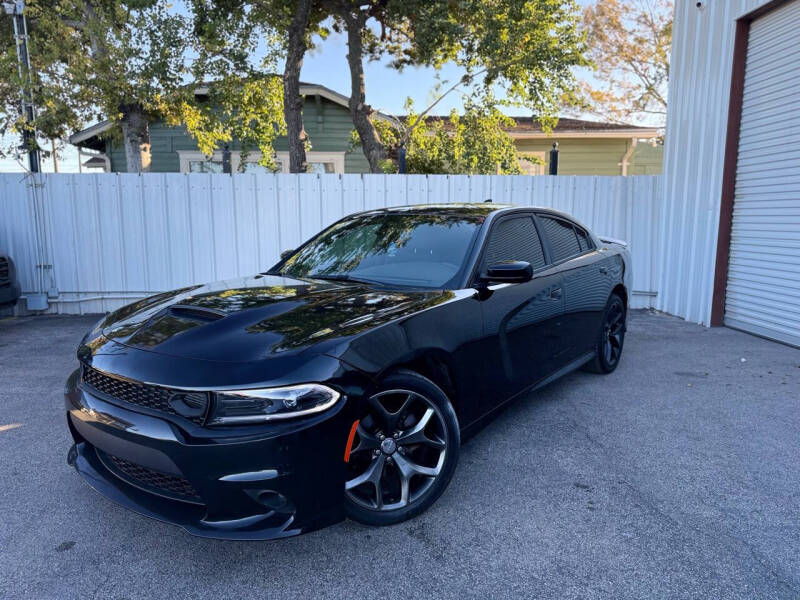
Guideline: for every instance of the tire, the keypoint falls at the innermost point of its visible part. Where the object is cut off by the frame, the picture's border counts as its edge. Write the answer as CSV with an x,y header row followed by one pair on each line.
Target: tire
x,y
407,448
611,338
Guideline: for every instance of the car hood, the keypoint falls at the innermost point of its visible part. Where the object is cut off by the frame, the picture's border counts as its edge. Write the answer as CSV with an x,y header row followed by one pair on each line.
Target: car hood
x,y
253,318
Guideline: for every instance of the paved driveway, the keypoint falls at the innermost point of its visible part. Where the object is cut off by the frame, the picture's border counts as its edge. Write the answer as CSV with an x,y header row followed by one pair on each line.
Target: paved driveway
x,y
677,476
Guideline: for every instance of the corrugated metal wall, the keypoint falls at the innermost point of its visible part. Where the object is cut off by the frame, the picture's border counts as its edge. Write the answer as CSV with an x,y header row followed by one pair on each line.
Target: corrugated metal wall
x,y
123,236
763,291
700,76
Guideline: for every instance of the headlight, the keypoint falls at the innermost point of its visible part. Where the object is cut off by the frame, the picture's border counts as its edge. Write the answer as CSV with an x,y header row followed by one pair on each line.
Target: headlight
x,y
271,404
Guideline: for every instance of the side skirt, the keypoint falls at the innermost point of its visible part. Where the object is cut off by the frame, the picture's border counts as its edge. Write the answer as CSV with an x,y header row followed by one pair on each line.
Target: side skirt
x,y
481,422
573,366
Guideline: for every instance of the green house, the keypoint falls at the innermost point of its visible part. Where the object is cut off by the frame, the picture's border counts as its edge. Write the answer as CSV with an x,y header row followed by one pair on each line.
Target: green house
x,y
589,147
586,147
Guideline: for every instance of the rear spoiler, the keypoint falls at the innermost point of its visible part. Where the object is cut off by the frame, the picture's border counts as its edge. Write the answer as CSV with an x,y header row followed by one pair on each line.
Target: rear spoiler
x,y
610,240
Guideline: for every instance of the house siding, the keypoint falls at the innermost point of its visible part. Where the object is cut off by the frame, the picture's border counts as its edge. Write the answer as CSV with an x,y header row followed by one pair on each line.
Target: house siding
x,y
647,159
330,134
587,156
328,126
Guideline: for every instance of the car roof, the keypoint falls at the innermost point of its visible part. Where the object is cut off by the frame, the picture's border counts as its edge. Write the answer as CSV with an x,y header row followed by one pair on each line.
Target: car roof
x,y
456,208
463,208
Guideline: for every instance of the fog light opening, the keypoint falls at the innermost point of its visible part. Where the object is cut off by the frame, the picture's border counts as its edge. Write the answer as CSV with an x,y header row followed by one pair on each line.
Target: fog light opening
x,y
274,500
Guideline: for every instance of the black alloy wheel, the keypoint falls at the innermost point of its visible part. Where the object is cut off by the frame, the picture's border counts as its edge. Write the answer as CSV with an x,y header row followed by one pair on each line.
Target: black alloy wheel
x,y
612,337
404,452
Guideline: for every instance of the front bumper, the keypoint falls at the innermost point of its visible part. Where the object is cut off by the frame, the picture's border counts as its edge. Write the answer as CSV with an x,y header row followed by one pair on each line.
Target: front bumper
x,y
255,484
10,293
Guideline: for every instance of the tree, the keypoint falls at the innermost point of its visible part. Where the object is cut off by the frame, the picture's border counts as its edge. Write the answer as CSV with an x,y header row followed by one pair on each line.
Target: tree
x,y
57,112
290,25
471,143
630,44
234,63
248,110
525,48
118,57
296,46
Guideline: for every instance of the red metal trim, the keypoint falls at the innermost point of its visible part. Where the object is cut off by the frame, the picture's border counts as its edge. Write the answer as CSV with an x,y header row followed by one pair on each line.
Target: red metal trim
x,y
350,439
729,172
732,157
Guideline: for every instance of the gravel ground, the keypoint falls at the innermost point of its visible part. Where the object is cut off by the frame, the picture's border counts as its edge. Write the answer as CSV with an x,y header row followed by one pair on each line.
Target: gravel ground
x,y
678,476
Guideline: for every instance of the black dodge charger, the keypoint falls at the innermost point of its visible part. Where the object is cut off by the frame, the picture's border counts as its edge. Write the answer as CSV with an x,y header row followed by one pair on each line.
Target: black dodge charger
x,y
341,381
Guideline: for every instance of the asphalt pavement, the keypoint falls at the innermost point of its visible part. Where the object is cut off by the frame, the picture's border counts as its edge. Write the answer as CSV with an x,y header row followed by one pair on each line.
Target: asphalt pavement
x,y
678,476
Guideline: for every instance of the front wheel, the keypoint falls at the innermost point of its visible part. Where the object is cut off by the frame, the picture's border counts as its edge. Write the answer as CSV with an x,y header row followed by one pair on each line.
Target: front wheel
x,y
611,337
404,453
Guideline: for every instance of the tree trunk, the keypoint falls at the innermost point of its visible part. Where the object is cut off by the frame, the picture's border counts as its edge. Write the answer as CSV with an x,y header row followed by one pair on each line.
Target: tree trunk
x,y
360,111
135,138
292,101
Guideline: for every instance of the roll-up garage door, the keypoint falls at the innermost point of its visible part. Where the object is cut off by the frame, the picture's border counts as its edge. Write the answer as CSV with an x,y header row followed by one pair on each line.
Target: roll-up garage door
x,y
763,290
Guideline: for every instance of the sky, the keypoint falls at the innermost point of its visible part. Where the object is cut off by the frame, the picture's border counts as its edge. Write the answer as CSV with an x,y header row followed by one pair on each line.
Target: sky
x,y
387,89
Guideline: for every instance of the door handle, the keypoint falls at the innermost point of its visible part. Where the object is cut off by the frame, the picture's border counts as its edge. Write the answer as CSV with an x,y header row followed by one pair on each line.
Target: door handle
x,y
555,293
603,270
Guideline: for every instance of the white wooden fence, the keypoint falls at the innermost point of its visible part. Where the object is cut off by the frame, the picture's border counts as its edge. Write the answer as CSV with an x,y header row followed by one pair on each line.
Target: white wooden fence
x,y
92,243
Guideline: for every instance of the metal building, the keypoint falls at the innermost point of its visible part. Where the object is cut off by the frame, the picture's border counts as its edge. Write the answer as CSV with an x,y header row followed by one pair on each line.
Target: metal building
x,y
730,226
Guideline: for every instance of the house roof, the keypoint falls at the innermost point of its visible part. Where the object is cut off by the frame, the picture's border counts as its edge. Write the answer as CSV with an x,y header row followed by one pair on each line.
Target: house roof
x,y
524,127
528,127
85,136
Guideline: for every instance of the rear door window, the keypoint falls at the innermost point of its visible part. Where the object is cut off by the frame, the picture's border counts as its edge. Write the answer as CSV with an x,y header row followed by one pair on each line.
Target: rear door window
x,y
514,239
563,239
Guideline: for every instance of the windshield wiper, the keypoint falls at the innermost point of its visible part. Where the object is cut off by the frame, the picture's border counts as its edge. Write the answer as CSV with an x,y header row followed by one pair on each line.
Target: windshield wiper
x,y
340,277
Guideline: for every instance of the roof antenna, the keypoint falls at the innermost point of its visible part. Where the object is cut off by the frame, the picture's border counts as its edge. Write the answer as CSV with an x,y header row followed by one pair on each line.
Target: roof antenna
x,y
487,200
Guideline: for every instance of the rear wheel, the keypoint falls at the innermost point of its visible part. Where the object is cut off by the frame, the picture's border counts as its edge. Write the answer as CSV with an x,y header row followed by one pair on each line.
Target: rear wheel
x,y
611,337
404,453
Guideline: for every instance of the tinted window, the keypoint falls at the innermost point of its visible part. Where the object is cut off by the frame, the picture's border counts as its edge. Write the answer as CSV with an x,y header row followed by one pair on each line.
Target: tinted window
x,y
563,241
583,238
414,249
514,239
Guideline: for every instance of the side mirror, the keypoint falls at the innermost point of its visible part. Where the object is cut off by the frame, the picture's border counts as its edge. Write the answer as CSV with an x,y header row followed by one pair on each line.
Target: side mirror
x,y
512,271
286,254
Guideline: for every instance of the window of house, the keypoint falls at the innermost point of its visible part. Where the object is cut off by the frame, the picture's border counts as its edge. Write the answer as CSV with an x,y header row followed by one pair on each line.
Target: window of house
x,y
563,239
193,161
205,166
318,162
532,163
254,167
321,167
514,239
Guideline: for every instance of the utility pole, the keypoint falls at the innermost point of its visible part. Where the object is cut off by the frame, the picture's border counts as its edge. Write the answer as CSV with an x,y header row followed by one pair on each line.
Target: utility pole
x,y
16,10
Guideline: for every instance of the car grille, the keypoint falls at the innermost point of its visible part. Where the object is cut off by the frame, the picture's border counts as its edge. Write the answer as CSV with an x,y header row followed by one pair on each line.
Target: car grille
x,y
4,272
174,486
150,396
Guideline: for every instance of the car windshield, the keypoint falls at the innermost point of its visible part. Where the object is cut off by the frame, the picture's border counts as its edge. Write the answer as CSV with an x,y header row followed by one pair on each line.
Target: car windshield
x,y
407,249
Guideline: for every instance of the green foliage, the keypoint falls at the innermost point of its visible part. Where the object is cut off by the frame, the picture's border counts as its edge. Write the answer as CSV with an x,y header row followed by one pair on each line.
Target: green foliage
x,y
470,143
57,114
235,31
95,58
247,110
630,46
526,48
